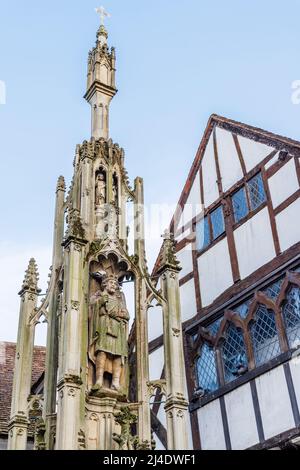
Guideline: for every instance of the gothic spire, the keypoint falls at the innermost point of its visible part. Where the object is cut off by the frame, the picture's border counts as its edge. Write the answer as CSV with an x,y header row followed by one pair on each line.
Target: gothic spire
x,y
31,277
61,185
168,259
101,86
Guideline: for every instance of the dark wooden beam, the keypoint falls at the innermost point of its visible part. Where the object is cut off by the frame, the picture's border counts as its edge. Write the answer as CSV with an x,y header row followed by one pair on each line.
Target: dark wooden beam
x,y
156,343
287,202
271,213
240,155
159,430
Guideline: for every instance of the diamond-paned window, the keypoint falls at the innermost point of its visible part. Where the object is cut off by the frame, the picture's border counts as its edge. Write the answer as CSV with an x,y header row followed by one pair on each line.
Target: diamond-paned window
x,y
206,371
213,328
217,222
203,235
239,204
243,308
264,335
273,290
256,191
234,354
291,316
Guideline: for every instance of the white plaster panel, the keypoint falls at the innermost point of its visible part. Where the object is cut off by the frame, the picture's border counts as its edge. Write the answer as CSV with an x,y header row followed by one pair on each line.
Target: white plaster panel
x,y
156,363
211,427
210,187
295,371
254,243
274,402
188,300
288,225
193,205
155,322
253,152
283,183
185,258
230,167
194,196
239,407
272,161
214,272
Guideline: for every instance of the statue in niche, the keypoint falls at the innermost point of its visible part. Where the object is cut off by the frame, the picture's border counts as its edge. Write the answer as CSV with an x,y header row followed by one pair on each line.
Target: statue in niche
x,y
115,190
109,329
100,196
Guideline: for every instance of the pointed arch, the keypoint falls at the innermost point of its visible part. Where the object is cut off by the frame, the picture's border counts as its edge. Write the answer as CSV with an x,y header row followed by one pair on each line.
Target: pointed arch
x,y
231,346
291,278
264,333
290,309
229,317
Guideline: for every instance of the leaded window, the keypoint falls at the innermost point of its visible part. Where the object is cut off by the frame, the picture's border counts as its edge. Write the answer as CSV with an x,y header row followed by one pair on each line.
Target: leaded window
x,y
203,233
234,354
273,290
217,222
213,328
239,203
264,336
291,316
256,191
243,308
206,371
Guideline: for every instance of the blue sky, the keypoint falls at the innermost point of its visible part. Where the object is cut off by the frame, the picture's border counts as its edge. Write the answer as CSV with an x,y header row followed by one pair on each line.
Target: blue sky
x,y
178,62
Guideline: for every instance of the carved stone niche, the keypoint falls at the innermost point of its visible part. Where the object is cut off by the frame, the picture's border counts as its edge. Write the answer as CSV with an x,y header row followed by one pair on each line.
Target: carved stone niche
x,y
115,189
108,328
100,187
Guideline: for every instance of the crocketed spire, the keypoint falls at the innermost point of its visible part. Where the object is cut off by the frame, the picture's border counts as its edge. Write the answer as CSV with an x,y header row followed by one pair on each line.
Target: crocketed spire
x,y
31,277
61,185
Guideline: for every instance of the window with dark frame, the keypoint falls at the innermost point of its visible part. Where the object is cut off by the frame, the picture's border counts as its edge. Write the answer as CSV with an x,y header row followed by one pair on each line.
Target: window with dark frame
x,y
266,341
264,336
239,204
202,233
233,352
209,228
206,370
291,316
248,198
256,191
217,222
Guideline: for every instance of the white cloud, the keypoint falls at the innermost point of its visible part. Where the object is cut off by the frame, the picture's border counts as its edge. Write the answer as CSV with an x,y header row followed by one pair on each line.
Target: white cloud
x,y
13,263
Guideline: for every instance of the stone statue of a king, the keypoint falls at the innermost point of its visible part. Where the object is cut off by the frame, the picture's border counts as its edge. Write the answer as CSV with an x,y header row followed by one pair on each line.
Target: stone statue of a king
x,y
109,331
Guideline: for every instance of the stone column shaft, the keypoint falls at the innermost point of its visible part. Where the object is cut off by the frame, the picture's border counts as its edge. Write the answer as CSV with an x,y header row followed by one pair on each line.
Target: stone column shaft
x,y
18,426
52,332
176,405
142,353
69,382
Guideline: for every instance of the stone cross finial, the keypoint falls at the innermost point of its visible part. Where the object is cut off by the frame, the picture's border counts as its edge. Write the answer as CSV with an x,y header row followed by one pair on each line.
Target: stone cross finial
x,y
102,13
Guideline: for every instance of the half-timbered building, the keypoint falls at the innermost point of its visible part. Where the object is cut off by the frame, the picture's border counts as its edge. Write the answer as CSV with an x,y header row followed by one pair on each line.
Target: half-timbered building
x,y
238,241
